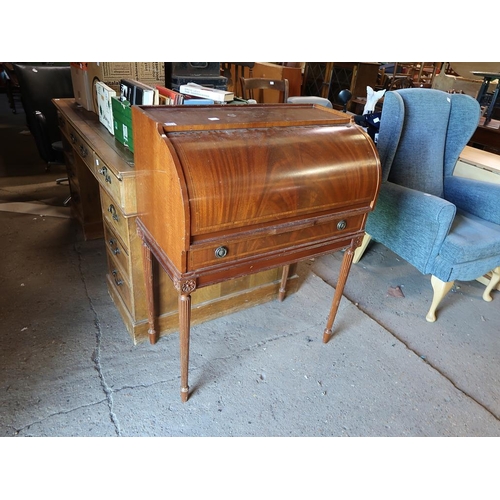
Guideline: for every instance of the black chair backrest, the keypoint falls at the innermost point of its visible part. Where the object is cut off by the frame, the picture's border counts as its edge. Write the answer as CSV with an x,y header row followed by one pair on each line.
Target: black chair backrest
x,y
39,84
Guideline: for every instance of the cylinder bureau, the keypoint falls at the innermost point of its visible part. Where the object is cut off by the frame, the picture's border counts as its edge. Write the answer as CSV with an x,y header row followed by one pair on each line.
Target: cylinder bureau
x,y
226,191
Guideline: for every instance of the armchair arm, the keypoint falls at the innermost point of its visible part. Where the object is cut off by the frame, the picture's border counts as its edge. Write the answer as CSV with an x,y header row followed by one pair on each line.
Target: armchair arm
x,y
411,223
479,198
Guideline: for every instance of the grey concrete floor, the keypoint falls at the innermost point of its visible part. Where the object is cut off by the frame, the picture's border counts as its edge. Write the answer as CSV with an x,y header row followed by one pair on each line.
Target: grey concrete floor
x,y
69,368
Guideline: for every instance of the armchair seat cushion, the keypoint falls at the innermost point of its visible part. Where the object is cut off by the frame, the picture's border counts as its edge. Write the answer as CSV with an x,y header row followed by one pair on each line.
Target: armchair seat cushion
x,y
470,239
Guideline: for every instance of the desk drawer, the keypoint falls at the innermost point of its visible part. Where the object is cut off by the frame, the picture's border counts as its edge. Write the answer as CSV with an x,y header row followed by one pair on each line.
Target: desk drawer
x,y
62,122
119,281
85,152
114,217
108,180
116,248
205,254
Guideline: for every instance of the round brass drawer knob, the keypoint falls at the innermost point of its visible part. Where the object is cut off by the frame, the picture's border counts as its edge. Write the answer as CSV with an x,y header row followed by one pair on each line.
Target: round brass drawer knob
x,y
341,225
221,252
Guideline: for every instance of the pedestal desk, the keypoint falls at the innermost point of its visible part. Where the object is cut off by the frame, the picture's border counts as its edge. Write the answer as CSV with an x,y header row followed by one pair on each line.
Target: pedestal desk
x,y
227,191
103,189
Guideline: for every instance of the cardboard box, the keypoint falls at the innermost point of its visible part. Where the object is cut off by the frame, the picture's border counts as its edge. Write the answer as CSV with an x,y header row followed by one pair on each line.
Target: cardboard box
x,y
122,122
110,73
150,73
81,85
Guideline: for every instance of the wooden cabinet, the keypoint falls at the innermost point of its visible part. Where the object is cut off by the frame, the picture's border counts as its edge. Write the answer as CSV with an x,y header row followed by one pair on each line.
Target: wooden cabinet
x,y
103,189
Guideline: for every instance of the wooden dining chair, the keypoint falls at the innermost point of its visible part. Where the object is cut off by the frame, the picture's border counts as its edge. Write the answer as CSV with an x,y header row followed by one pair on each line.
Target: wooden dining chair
x,y
249,85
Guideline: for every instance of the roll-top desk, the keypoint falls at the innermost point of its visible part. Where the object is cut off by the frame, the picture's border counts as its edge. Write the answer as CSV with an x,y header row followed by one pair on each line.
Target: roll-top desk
x,y
102,178
227,191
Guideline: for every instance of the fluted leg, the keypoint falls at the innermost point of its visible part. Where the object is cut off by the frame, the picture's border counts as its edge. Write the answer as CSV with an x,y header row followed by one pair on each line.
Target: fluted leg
x,y
184,328
148,276
284,277
339,290
495,279
441,288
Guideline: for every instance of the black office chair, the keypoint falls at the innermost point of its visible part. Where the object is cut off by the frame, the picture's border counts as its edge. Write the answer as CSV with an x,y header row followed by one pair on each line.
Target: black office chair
x,y
39,84
344,96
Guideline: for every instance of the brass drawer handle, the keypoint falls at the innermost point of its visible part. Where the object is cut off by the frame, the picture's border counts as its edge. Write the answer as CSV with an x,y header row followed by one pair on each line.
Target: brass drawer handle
x,y
104,171
341,225
83,151
221,252
73,138
119,282
116,250
112,211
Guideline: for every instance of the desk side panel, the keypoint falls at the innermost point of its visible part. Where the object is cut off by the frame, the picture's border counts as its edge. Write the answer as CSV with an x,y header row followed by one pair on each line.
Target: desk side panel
x,y
161,190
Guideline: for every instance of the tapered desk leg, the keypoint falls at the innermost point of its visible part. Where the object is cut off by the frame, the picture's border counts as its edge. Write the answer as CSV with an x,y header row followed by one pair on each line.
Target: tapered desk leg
x,y
148,274
339,290
284,277
184,327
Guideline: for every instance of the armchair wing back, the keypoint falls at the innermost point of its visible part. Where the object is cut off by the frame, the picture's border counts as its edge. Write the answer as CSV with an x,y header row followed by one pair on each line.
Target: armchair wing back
x,y
445,226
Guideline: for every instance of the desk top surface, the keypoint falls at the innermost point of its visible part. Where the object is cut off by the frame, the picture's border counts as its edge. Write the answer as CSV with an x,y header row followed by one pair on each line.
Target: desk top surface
x,y
182,118
119,158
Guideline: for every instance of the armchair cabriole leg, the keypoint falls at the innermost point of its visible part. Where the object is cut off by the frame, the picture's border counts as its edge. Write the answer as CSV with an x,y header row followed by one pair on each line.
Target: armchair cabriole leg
x,y
441,288
361,249
495,279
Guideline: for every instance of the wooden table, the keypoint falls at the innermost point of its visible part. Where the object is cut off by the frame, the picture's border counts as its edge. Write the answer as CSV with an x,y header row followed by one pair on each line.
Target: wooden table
x,y
228,191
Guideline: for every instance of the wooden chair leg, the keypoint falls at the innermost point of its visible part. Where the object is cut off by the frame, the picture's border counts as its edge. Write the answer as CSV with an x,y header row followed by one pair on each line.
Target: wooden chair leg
x,y
441,288
495,279
361,249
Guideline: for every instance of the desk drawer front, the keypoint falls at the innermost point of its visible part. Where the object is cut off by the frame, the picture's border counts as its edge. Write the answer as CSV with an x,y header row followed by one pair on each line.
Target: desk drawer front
x,y
114,217
205,255
80,145
108,180
119,281
116,248
63,123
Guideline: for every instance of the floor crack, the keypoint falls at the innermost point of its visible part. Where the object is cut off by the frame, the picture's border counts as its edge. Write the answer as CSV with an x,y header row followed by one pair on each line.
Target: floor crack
x,y
96,356
61,412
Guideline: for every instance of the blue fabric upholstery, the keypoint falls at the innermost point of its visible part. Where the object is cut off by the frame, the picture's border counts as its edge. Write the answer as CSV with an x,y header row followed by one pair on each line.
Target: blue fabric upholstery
x,y
443,225
387,143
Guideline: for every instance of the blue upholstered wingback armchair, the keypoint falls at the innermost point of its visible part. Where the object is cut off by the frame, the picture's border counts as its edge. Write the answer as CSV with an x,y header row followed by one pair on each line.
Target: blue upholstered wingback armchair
x,y
444,225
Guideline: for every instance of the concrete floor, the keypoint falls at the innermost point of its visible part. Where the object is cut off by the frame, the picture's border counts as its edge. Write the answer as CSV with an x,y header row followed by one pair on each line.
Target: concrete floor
x,y
69,368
